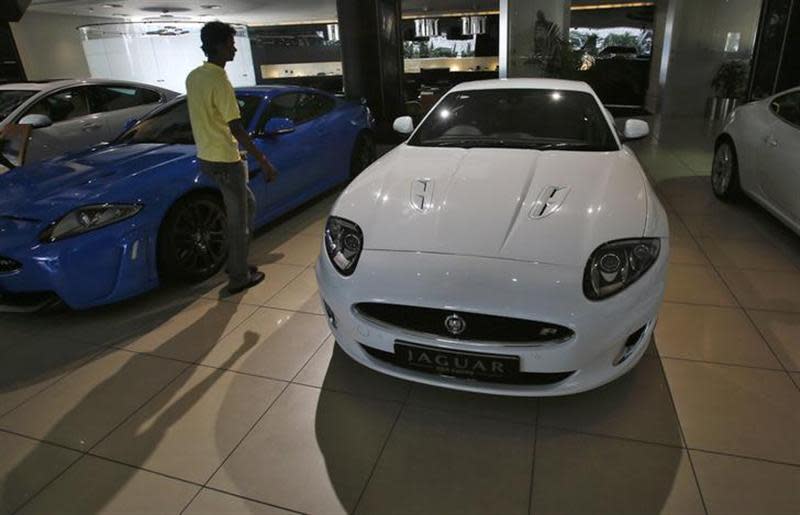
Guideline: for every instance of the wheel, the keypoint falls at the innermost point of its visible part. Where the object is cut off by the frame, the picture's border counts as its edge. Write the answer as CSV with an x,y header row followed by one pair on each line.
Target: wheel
x,y
192,243
363,154
725,172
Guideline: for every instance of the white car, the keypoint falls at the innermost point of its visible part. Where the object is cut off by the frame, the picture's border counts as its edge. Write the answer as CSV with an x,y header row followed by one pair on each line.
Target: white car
x,y
512,245
69,115
758,153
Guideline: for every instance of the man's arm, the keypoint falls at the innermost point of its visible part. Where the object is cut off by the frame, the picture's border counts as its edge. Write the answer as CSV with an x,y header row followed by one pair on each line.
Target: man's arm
x,y
239,132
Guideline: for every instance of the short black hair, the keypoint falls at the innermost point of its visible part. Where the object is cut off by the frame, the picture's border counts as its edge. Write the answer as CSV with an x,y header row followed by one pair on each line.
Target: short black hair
x,y
213,34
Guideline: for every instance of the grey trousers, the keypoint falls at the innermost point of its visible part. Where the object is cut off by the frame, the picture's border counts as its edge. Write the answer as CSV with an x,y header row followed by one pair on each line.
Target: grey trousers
x,y
240,207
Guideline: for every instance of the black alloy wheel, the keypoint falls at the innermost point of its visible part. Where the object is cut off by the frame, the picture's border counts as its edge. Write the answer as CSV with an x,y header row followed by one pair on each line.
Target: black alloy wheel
x,y
193,241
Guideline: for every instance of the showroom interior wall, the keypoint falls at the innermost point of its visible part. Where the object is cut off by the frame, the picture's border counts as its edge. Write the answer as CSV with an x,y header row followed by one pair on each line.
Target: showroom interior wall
x,y
50,45
700,36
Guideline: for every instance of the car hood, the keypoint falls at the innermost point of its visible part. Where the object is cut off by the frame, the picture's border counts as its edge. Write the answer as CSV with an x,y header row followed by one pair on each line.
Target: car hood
x,y
544,206
45,190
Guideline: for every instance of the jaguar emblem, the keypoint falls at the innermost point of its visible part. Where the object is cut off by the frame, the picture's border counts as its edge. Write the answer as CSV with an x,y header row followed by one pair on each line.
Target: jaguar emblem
x,y
455,324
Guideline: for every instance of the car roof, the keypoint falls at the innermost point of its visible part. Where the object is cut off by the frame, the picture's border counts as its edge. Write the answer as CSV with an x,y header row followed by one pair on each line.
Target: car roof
x,y
266,89
563,85
47,85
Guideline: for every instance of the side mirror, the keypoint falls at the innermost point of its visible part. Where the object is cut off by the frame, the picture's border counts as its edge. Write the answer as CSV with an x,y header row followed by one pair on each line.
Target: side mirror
x,y
276,126
403,125
129,123
37,121
635,129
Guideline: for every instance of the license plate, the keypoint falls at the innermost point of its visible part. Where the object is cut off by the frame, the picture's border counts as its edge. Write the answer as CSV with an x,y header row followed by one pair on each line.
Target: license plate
x,y
471,365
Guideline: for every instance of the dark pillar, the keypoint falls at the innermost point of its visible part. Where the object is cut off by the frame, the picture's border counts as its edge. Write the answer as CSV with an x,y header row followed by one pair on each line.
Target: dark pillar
x,y
372,56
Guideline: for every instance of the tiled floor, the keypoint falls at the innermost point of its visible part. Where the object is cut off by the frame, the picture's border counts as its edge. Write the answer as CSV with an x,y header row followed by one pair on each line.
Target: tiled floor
x,y
179,402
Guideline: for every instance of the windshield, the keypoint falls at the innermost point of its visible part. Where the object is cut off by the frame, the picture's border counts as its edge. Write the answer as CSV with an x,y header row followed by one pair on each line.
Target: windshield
x,y
539,119
171,125
12,99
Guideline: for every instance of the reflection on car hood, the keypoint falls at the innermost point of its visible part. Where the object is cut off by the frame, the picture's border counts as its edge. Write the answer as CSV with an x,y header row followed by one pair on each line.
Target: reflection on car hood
x,y
44,190
552,207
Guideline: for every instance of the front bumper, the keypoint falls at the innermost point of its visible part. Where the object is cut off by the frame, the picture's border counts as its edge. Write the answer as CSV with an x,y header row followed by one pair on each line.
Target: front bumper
x,y
533,291
99,267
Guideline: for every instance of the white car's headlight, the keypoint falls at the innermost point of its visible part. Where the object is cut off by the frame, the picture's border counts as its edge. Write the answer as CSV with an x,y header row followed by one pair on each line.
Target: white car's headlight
x,y
617,264
343,242
88,218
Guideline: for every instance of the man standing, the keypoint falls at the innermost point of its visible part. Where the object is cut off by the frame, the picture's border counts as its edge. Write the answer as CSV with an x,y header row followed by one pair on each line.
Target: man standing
x,y
217,127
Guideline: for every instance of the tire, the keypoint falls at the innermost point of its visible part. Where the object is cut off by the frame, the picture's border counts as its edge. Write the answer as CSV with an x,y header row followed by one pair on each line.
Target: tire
x,y
363,154
725,172
192,242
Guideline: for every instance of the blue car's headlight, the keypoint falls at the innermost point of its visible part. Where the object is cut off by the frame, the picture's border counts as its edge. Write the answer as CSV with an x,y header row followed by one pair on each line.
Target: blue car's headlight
x,y
617,264
343,242
88,218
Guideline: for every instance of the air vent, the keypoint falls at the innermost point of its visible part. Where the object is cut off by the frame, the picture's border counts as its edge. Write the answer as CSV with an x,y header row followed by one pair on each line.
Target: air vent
x,y
548,202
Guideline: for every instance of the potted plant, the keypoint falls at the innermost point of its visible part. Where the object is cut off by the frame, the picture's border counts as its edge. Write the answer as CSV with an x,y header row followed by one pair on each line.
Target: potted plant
x,y
730,85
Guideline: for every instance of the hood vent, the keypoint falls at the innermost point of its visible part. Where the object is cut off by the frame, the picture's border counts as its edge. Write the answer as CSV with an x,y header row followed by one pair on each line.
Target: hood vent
x,y
548,201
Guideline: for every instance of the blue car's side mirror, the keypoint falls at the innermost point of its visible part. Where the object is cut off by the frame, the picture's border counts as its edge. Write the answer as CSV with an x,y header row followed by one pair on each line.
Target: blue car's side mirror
x,y
276,126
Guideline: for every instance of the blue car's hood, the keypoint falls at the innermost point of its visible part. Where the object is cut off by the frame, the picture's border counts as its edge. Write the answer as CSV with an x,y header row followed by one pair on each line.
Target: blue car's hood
x,y
49,189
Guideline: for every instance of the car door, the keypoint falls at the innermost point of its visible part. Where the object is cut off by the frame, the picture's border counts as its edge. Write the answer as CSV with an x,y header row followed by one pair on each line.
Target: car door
x,y
315,109
780,156
120,103
293,155
74,125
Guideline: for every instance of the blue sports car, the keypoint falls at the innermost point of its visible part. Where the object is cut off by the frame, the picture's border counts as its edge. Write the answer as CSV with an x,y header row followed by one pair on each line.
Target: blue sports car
x,y
113,221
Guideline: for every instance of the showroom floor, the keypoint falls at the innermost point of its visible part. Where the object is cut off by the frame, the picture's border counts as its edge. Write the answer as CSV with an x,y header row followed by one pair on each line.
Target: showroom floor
x,y
177,402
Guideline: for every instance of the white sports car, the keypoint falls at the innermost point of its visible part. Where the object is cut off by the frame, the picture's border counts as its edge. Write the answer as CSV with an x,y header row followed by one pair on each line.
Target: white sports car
x,y
512,245
758,153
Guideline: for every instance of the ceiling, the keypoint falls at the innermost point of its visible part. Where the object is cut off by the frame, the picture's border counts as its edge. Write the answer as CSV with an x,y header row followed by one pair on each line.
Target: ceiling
x,y
253,12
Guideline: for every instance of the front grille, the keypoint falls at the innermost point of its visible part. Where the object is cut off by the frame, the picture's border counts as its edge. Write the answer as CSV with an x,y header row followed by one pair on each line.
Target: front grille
x,y
477,327
520,378
8,265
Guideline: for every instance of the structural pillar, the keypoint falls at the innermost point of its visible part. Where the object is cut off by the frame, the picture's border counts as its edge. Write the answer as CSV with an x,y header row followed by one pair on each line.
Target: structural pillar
x,y
372,55
529,33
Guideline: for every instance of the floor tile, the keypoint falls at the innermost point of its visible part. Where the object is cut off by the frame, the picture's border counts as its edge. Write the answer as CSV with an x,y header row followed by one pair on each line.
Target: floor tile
x,y
192,332
796,379
285,342
312,452
32,366
708,333
756,289
211,502
26,467
88,403
782,332
722,227
296,249
750,254
743,486
301,294
189,428
332,369
577,473
696,285
743,411
678,232
637,406
449,463
522,410
99,486
278,276
686,252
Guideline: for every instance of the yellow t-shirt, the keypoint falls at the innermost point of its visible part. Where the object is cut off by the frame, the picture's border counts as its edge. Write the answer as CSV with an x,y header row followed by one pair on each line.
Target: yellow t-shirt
x,y
212,105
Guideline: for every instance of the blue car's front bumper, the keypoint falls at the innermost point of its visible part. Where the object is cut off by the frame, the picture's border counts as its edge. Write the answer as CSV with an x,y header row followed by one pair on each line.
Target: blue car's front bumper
x,y
102,266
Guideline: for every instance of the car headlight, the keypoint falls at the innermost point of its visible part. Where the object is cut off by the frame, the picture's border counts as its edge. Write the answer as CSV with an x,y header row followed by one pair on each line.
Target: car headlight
x,y
88,218
343,242
617,264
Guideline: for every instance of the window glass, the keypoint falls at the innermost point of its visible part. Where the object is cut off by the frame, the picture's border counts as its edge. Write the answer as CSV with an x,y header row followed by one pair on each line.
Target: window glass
x,y
113,98
313,106
517,118
62,106
283,106
171,125
787,107
11,99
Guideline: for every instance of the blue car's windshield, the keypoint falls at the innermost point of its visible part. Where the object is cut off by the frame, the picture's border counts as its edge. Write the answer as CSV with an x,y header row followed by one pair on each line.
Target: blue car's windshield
x,y
171,125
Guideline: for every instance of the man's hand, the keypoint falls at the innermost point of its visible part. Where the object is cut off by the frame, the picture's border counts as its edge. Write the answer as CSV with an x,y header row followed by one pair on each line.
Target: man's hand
x,y
269,172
